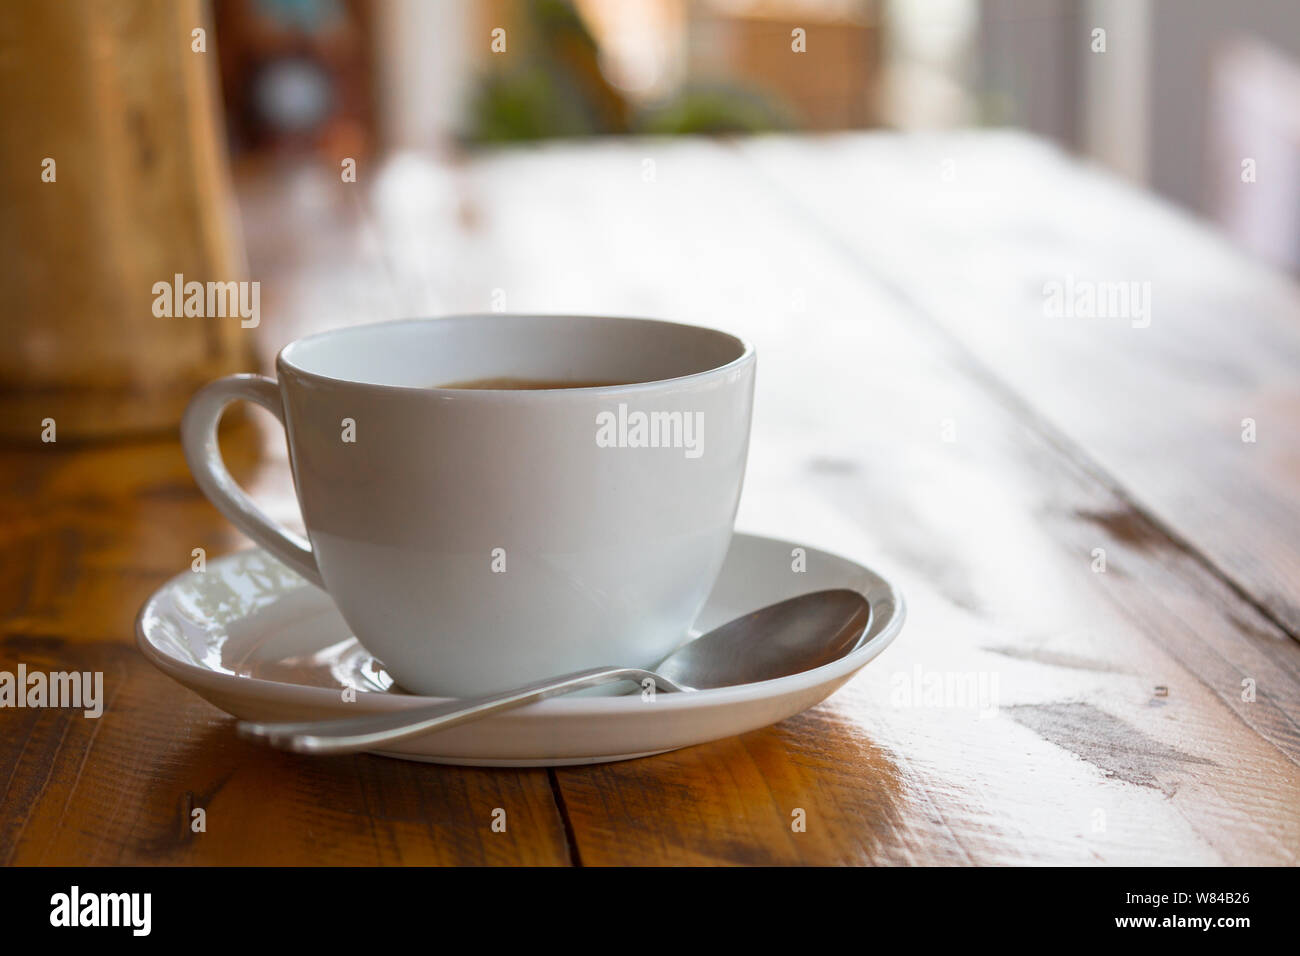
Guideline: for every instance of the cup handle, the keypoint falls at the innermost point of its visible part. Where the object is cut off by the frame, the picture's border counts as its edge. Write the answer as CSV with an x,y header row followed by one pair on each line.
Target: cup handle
x,y
203,454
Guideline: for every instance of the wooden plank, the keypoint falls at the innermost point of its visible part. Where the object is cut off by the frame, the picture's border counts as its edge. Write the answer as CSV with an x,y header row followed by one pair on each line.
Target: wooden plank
x,y
985,236
1079,758
991,536
87,534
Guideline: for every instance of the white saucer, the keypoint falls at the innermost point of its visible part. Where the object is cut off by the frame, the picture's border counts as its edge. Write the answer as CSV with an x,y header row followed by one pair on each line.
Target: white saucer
x,y
258,641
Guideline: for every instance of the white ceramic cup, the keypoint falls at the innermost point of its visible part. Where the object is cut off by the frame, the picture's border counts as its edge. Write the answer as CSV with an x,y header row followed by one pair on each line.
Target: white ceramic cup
x,y
476,539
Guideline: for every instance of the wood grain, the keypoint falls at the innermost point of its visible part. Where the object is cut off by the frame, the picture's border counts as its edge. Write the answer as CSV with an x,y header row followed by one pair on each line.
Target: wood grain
x,y
972,235
1114,726
992,535
87,535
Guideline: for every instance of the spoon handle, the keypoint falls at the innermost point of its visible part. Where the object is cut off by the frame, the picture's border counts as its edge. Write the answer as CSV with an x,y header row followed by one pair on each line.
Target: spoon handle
x,y
353,734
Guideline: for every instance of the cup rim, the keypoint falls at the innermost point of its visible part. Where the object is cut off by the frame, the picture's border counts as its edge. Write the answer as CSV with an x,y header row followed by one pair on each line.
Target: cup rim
x,y
284,359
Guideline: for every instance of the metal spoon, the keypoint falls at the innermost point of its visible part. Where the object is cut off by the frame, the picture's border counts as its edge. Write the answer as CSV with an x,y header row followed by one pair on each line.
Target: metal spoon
x,y
776,641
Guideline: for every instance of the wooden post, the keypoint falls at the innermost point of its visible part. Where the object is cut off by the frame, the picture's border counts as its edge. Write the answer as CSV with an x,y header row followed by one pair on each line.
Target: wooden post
x,y
114,94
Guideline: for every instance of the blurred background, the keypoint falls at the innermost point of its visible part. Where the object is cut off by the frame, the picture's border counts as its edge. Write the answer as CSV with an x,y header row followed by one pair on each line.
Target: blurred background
x,y
1174,86
175,129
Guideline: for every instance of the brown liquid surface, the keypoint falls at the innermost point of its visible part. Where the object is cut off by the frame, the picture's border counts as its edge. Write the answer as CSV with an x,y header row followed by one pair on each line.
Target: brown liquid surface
x,y
524,383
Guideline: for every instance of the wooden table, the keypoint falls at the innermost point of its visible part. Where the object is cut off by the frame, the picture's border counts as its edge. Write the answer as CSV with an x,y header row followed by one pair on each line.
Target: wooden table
x,y
920,407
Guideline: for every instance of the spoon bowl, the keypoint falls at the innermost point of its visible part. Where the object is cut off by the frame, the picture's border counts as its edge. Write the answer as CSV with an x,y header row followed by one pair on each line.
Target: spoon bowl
x,y
775,641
